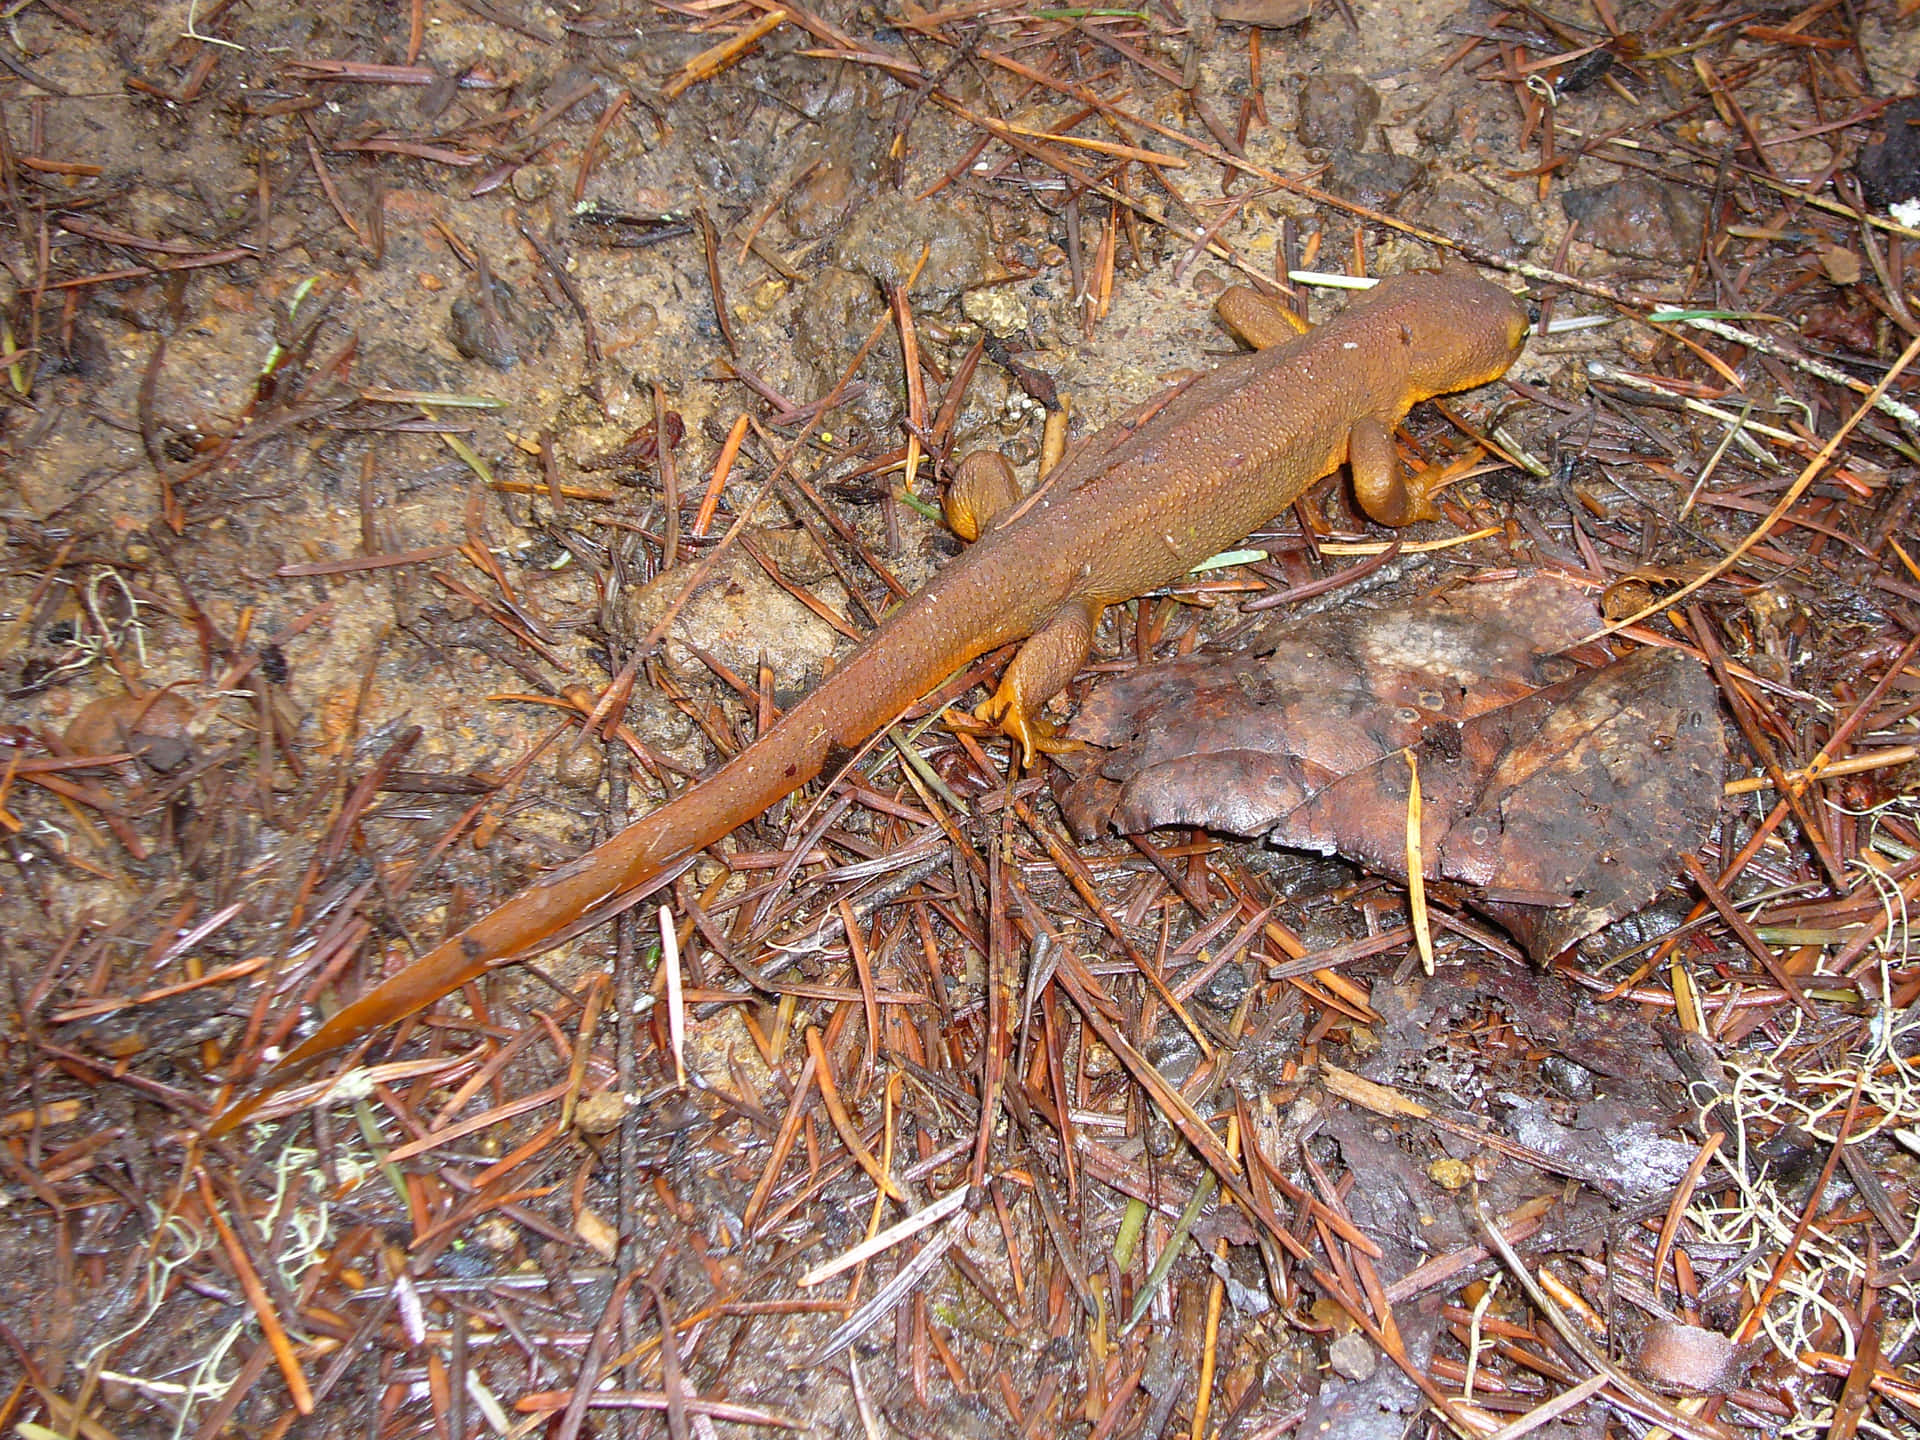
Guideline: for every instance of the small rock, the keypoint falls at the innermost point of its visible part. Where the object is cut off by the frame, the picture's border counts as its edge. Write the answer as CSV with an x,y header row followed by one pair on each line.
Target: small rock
x,y
887,238
1889,169
822,200
1841,264
831,319
1352,1355
1675,1356
1173,1051
600,1114
499,333
639,321
998,308
1267,14
1337,112
1380,182
1569,1079
1465,211
597,1233
1638,217
1225,989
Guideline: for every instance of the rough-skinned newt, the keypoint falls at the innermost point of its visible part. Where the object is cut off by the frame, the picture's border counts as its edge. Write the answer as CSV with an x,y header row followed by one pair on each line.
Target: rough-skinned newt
x,y
1138,505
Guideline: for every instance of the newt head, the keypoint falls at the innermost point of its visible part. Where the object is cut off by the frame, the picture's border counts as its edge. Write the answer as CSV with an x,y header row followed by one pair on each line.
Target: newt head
x,y
1460,330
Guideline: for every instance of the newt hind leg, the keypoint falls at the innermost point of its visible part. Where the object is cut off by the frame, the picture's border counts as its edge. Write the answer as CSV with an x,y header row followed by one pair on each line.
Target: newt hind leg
x,y
1256,319
1042,669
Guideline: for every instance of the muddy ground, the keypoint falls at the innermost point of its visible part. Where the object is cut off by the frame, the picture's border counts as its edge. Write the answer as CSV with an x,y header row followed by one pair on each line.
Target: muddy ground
x,y
339,345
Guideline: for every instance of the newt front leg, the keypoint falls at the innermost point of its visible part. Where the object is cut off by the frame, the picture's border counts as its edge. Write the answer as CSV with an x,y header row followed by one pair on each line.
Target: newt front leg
x,y
1384,488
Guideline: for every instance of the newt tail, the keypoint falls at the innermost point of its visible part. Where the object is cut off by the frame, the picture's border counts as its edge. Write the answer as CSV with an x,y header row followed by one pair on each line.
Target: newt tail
x,y
912,653
1138,505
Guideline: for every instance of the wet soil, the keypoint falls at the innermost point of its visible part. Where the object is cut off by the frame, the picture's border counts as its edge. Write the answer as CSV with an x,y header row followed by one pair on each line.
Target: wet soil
x,y
336,360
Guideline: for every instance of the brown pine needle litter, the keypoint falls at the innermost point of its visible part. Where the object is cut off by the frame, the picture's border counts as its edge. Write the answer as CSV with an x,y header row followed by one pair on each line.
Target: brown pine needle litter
x,y
354,583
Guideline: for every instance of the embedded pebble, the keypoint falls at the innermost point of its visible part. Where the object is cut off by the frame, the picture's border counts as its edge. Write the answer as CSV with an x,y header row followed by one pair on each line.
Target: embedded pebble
x,y
1337,112
1469,212
499,334
1380,182
1639,217
999,308
1266,14
821,201
886,239
832,319
1352,1355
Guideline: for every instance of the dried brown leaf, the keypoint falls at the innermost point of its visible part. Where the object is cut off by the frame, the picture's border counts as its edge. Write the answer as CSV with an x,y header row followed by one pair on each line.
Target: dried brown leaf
x,y
1563,793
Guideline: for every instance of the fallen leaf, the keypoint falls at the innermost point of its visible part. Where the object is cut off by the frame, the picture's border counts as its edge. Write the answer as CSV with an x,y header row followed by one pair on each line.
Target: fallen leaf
x,y
1563,794
154,726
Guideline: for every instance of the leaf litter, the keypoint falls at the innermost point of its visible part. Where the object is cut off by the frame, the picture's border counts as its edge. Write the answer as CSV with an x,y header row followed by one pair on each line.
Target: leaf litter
x,y
331,347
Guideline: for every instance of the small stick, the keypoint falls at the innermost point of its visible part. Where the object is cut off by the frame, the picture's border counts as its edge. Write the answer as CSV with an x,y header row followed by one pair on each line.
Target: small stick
x,y
1636,1397
590,152
710,243
842,1121
916,383
1417,869
669,481
1786,502
676,1003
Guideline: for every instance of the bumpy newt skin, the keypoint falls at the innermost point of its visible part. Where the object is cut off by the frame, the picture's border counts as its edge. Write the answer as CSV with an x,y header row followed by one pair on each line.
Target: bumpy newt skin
x,y
1138,506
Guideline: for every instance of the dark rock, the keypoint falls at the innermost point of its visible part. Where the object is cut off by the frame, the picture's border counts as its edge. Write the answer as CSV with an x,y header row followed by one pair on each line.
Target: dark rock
x,y
1337,112
1173,1051
1571,1080
1225,989
1380,182
1438,124
1465,211
1889,169
1639,217
500,332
